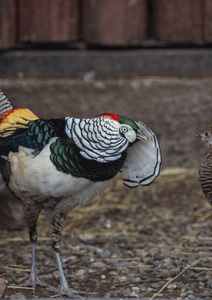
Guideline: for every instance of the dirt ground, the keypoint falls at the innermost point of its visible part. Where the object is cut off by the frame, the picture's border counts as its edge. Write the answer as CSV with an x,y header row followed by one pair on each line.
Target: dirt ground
x,y
128,243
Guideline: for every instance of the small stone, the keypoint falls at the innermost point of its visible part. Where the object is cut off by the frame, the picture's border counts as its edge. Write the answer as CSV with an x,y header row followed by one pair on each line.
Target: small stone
x,y
127,293
120,279
46,276
183,295
210,283
18,296
81,274
161,283
172,286
99,272
162,274
137,280
201,278
2,270
205,295
191,297
174,271
56,274
135,289
155,285
91,242
98,265
75,283
122,245
158,256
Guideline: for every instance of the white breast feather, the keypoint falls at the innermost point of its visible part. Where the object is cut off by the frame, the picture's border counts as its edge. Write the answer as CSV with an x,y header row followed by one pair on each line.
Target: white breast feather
x,y
36,176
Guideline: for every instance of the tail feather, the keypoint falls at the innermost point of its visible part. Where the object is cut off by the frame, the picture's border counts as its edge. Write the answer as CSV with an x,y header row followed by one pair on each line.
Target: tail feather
x,y
5,104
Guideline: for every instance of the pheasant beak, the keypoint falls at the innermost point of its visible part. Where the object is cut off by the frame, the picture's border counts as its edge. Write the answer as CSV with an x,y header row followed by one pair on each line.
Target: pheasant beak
x,y
199,135
141,136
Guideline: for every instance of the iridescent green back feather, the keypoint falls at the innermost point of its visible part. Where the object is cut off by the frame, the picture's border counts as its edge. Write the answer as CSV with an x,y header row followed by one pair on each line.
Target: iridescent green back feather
x,y
67,159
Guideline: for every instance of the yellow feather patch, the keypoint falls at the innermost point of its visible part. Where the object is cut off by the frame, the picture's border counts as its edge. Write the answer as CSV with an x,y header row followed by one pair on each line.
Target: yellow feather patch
x,y
15,119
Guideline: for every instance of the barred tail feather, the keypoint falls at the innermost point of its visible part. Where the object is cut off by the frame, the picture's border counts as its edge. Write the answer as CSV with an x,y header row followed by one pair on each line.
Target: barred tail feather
x,y
5,104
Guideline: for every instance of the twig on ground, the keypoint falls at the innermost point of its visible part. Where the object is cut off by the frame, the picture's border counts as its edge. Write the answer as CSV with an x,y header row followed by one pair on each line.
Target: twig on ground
x,y
173,279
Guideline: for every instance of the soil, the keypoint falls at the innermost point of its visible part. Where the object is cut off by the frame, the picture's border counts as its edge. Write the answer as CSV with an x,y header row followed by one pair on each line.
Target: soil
x,y
128,243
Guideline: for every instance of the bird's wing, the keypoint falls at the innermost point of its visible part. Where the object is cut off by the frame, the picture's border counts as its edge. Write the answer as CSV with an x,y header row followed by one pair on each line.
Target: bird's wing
x,y
143,160
20,127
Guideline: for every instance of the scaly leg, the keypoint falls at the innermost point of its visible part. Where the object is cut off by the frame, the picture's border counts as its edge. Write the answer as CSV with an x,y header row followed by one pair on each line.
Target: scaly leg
x,y
64,288
33,279
32,211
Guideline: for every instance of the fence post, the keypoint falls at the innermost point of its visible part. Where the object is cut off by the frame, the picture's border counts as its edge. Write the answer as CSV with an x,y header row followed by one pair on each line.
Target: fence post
x,y
7,24
43,21
178,21
114,23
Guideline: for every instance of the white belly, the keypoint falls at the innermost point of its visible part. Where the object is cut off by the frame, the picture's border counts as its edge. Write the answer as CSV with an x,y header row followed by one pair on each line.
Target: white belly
x,y
37,177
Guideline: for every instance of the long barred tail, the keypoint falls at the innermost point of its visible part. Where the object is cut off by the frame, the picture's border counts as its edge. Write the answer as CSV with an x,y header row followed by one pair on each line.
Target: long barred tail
x,y
5,104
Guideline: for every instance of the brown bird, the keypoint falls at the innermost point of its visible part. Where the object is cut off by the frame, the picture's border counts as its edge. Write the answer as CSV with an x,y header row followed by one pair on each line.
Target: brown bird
x,y
205,173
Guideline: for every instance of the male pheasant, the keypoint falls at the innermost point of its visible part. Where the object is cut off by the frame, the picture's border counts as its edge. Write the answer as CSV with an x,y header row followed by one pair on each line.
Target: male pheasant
x,y
205,173
56,164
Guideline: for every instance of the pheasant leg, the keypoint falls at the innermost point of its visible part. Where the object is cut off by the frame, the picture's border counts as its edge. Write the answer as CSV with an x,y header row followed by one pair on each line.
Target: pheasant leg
x,y
32,211
33,279
64,288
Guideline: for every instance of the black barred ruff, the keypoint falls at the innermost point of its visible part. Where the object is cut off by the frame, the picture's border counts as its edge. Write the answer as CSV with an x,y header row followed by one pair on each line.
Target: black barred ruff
x,y
98,138
205,176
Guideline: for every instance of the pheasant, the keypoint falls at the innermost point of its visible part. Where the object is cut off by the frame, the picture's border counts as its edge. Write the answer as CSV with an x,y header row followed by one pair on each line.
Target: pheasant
x,y
205,173
56,164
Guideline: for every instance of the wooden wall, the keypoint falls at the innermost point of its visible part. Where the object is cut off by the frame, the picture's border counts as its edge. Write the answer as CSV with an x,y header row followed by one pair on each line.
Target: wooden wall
x,y
119,23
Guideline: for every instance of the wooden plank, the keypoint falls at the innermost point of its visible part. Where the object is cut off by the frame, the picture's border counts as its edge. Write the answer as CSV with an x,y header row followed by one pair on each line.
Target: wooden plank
x,y
43,21
207,27
178,21
114,23
7,24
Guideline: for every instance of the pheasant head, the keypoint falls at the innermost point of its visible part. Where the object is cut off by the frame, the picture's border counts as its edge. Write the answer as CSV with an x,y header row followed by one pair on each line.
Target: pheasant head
x,y
206,135
108,136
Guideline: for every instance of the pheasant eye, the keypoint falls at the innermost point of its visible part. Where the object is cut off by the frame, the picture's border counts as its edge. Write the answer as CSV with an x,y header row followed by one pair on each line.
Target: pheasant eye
x,y
124,129
206,133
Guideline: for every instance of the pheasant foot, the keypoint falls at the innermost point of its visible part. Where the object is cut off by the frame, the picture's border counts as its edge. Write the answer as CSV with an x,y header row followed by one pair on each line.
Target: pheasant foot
x,y
33,281
65,290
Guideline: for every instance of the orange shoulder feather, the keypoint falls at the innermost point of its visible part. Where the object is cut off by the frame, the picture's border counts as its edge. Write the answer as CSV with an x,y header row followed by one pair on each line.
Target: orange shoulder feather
x,y
15,119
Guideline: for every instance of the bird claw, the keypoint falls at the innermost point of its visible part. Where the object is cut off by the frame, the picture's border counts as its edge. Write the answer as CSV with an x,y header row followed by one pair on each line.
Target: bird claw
x,y
65,290
33,281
